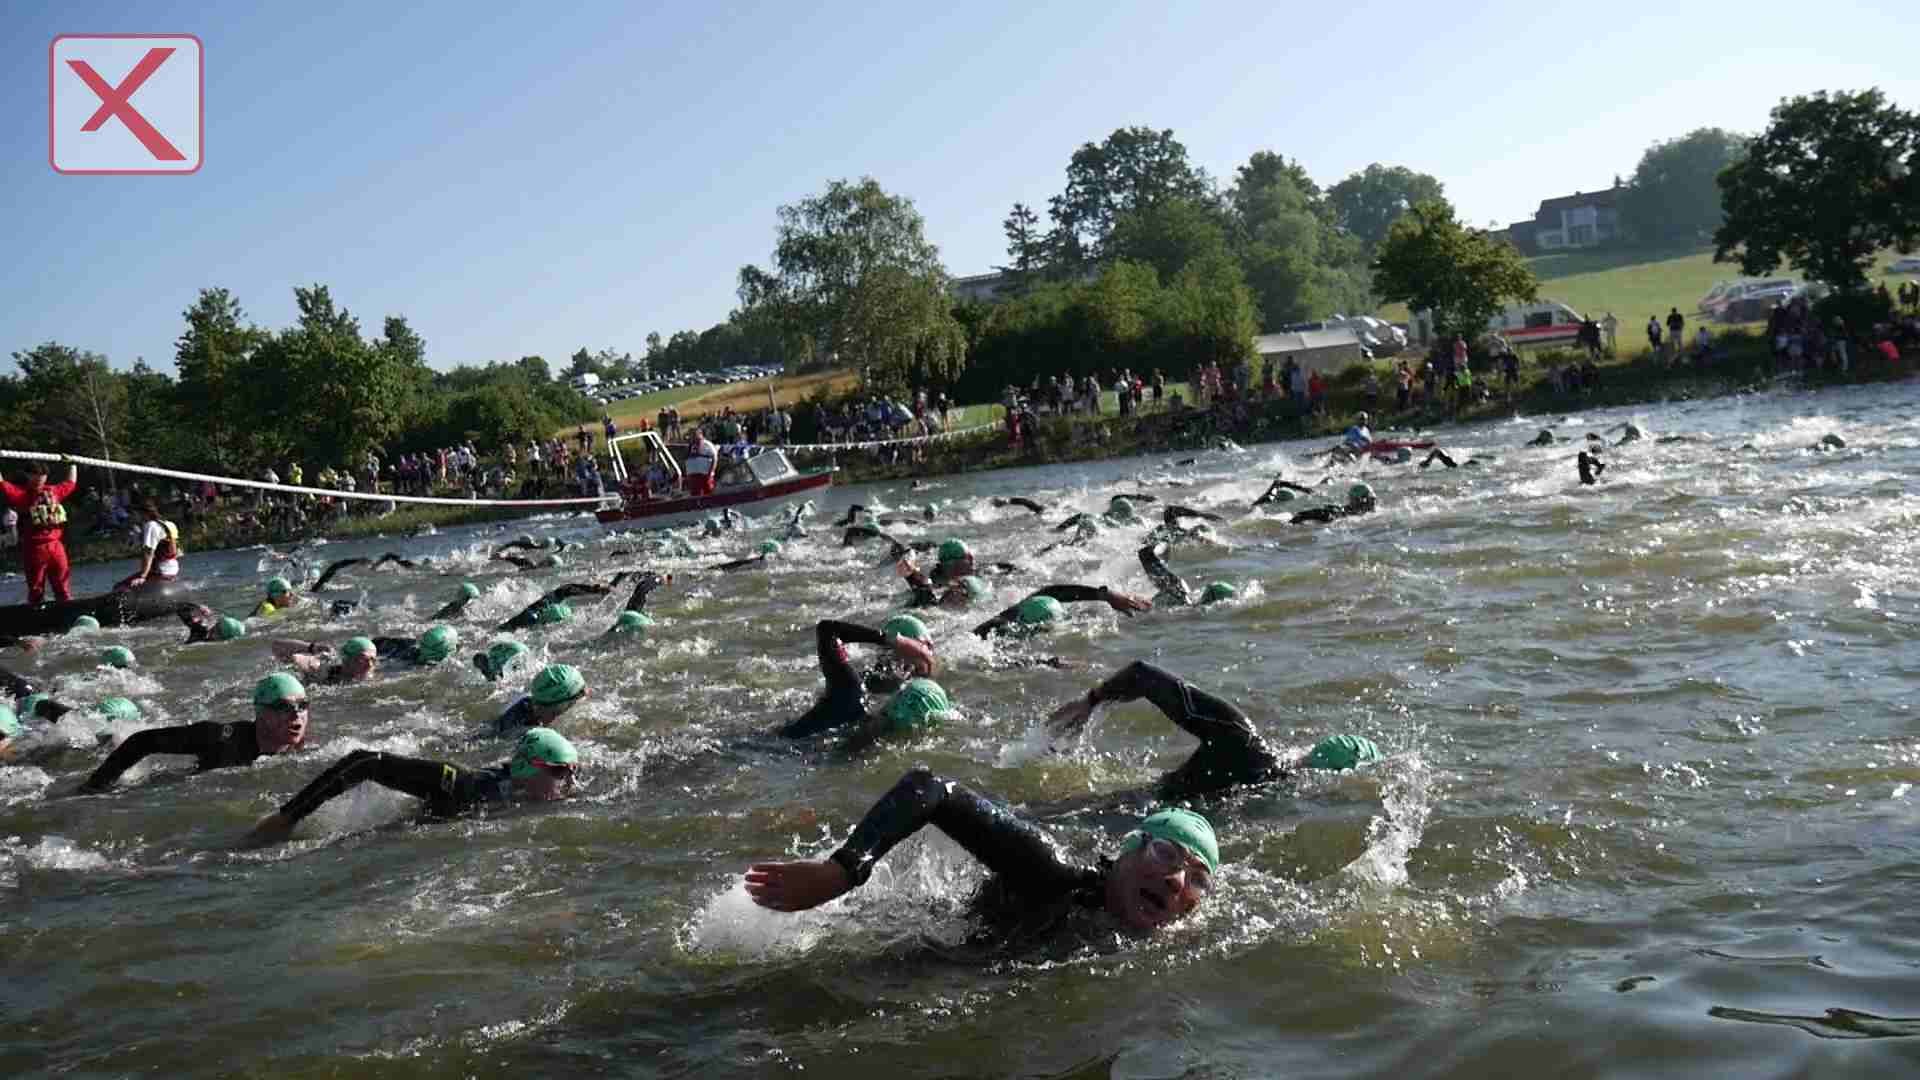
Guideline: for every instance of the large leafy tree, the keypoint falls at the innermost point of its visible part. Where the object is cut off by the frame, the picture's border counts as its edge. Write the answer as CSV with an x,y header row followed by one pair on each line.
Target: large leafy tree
x,y
855,279
1167,235
1130,170
1367,203
1833,179
75,401
213,358
1431,262
1296,264
1674,196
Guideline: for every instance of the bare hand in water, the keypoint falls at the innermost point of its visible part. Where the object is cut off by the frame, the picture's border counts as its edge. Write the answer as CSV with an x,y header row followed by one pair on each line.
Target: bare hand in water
x,y
918,654
795,886
1127,604
1070,717
270,829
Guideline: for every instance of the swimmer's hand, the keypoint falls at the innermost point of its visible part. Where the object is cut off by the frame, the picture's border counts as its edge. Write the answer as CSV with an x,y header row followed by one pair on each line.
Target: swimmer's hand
x,y
1127,604
1070,717
917,654
271,829
796,886
905,568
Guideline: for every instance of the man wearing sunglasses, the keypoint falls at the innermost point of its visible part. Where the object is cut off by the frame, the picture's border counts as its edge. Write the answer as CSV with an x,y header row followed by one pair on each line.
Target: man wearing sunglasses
x,y
542,769
1165,863
279,725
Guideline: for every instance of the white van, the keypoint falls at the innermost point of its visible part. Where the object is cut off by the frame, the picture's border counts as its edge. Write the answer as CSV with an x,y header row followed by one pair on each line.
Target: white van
x,y
584,382
1543,322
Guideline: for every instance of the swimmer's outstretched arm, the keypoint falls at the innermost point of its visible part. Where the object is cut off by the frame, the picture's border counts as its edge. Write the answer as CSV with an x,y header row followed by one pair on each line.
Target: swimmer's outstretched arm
x,y
435,781
1021,501
390,557
649,581
1123,603
452,609
520,561
1172,515
332,569
1231,751
1153,561
1072,522
1011,847
195,740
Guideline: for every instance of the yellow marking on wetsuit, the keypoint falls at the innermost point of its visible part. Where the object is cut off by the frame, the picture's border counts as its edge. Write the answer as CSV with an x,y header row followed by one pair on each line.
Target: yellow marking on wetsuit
x,y
447,778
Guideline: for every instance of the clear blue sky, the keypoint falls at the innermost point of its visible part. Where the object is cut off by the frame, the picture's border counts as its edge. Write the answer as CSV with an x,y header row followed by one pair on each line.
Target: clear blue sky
x,y
547,176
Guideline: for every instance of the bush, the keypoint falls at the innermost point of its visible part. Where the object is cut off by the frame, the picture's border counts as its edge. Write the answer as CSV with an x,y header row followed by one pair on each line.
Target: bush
x,y
1861,310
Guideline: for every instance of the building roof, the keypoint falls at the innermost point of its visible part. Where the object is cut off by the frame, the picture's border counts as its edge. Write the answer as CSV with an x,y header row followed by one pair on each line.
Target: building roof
x,y
1304,341
1603,197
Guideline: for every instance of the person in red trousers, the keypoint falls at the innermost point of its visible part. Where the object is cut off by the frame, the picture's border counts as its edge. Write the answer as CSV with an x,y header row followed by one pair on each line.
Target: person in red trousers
x,y
43,526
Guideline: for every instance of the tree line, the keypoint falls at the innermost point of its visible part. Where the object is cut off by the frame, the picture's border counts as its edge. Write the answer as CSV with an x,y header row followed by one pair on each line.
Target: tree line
x,y
318,391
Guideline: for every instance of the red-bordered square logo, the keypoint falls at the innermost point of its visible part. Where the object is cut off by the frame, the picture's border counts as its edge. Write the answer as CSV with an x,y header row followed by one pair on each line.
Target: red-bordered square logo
x,y
125,103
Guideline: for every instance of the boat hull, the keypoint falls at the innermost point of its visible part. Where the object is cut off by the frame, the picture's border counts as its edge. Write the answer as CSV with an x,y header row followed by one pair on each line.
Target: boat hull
x,y
154,601
668,513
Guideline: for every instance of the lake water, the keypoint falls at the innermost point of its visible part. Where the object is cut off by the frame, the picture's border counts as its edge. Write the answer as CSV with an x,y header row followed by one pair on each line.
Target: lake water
x,y
1648,808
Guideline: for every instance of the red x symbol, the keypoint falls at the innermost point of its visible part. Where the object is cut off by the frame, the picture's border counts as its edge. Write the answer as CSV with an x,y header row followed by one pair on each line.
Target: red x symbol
x,y
115,101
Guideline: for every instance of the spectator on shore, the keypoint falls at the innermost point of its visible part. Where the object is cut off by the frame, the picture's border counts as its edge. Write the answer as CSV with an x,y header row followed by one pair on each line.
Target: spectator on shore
x,y
1611,326
1653,334
1676,332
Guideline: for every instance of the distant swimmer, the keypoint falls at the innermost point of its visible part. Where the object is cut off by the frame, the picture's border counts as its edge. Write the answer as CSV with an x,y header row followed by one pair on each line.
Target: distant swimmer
x,y
1545,438
958,595
1360,500
633,618
1590,467
205,624
556,689
359,654
469,592
1829,441
1281,491
551,607
1164,864
1174,591
279,725
544,768
1441,456
768,549
1020,501
954,560
548,562
1042,609
1628,432
526,542
919,703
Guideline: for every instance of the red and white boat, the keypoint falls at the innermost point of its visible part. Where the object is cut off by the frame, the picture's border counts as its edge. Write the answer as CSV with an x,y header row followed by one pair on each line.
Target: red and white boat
x,y
763,483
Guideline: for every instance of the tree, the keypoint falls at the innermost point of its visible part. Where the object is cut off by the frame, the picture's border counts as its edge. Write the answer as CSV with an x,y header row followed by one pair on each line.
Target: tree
x,y
854,279
581,363
1430,262
1833,179
1674,196
1132,169
1027,256
654,344
213,357
80,402
1167,235
1367,203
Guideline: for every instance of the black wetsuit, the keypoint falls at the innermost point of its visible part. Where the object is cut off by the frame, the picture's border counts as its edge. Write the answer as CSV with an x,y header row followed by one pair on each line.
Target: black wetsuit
x,y
1031,874
1440,456
390,557
1320,515
404,649
200,621
454,608
1173,515
217,746
941,575
845,702
1272,494
1590,467
1066,594
530,615
740,564
332,569
447,788
517,718
1022,502
1172,590
525,563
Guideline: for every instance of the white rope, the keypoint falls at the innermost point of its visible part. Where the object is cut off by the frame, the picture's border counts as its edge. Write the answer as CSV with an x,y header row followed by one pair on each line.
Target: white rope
x,y
148,470
869,444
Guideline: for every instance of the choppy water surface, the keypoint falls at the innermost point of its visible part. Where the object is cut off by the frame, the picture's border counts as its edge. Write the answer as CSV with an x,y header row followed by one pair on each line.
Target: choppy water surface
x,y
1649,809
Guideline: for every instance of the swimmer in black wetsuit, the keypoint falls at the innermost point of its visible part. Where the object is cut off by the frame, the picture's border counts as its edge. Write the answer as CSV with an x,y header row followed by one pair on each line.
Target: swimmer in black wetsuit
x,y
549,562
469,592
205,624
1281,491
361,653
1545,438
1629,433
279,725
1042,608
767,550
1590,467
543,769
527,543
960,594
1173,591
634,618
1360,500
1165,863
1018,500
919,703
539,612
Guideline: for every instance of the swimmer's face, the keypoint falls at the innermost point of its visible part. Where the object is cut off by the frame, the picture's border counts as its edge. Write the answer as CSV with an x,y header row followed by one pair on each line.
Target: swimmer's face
x,y
1158,883
359,667
959,567
548,783
282,726
955,598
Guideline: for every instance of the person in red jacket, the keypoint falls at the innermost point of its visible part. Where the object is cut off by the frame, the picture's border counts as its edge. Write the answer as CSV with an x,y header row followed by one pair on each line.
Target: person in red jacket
x,y
43,524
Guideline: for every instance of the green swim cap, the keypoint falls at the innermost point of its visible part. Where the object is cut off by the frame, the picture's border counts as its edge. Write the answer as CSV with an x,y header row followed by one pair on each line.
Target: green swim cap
x,y
276,688
84,622
556,684
1183,827
769,547
277,586
1218,590
9,723
118,656
712,524
30,705
906,626
118,708
228,628
631,622
1283,495
921,703
493,663
1040,610
541,745
468,590
1360,493
953,550
357,646
1338,752
1121,507
557,612
437,644
975,588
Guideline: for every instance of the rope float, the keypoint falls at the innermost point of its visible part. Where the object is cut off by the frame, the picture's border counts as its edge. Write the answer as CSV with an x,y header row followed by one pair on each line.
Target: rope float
x,y
262,485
